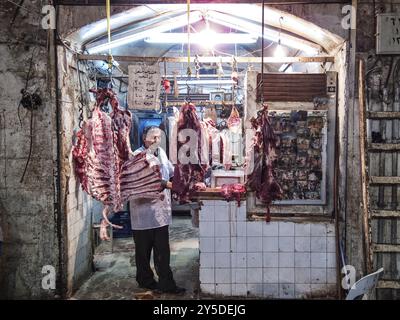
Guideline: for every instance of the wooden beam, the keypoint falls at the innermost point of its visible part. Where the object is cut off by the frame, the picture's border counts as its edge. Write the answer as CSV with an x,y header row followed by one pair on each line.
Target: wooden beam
x,y
386,247
384,180
385,214
384,147
320,59
386,284
364,172
383,115
139,2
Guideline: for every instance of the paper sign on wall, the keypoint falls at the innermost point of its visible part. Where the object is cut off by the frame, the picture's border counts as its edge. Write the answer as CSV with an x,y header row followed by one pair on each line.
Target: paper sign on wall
x,y
144,87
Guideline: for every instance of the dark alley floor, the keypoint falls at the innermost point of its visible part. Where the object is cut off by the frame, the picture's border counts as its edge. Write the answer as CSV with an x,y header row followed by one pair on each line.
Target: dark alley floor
x,y
114,278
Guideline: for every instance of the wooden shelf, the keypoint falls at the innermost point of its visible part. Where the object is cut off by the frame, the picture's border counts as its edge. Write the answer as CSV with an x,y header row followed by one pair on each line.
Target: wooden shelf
x,y
385,214
213,194
386,147
386,284
386,248
384,180
383,115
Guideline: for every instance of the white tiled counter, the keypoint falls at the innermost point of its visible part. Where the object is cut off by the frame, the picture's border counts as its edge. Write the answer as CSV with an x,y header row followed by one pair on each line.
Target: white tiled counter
x,y
272,260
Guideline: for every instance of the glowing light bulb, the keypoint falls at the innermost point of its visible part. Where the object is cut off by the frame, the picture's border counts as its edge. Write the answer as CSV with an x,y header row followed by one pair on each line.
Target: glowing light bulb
x,y
207,38
279,51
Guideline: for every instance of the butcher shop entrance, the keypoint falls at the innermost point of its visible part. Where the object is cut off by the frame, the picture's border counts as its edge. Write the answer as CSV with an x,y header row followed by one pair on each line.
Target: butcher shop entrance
x,y
256,103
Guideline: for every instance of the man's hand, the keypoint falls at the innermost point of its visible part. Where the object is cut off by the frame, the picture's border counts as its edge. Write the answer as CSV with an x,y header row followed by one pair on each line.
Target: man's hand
x,y
165,185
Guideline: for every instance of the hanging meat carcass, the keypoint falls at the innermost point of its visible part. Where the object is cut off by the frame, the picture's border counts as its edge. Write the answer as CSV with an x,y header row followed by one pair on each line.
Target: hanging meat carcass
x,y
261,179
104,162
188,177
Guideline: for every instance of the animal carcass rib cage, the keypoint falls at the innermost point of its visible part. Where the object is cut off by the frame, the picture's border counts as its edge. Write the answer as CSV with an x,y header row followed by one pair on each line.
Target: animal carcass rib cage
x,y
104,162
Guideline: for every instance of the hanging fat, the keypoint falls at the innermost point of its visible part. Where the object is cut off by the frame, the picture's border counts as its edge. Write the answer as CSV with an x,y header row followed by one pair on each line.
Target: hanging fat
x,y
234,121
226,149
212,140
176,87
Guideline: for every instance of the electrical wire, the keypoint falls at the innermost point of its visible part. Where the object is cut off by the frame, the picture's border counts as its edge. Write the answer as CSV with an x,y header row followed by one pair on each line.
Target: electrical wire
x,y
30,147
22,7
28,78
5,150
252,52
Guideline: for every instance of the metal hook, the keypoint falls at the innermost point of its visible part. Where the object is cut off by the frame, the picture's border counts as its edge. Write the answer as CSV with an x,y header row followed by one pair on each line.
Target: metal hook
x,y
188,99
159,111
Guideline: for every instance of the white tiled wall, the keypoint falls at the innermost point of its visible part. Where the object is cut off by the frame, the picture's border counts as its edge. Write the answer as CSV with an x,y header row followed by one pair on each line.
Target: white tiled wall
x,y
272,260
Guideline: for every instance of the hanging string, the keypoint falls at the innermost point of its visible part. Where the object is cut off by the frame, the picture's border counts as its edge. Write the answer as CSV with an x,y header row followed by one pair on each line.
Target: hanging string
x,y
110,57
189,72
261,86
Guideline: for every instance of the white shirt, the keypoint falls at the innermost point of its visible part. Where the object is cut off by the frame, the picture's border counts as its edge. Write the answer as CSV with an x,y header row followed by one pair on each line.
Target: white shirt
x,y
153,213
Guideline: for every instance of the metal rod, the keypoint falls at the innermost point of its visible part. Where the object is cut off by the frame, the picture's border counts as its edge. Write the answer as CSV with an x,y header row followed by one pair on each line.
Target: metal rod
x,y
201,102
146,2
170,76
320,59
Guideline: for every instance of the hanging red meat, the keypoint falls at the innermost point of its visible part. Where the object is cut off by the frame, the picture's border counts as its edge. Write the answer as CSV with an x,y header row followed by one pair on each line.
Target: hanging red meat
x,y
233,191
261,179
104,162
187,176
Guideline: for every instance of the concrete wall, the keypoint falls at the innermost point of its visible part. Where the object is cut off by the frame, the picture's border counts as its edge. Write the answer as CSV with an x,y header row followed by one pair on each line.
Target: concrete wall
x,y
27,208
28,215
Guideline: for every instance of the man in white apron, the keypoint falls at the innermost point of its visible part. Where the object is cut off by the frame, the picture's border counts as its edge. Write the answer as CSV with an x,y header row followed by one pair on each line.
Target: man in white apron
x,y
150,219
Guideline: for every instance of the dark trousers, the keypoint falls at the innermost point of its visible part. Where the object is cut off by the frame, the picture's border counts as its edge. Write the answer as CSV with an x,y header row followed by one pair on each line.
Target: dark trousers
x,y
158,241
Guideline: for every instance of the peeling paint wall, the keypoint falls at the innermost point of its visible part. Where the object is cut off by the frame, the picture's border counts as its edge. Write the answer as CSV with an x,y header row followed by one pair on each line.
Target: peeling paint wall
x,y
27,208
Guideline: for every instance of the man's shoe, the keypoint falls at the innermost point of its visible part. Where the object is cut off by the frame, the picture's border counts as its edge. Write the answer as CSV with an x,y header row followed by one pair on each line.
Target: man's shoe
x,y
152,286
176,290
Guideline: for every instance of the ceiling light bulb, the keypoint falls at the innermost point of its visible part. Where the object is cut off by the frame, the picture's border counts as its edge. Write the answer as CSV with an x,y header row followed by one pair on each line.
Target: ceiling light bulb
x,y
279,51
207,38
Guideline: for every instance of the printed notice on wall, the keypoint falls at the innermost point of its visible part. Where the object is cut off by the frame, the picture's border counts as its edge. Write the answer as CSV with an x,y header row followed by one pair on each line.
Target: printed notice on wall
x,y
388,33
144,86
